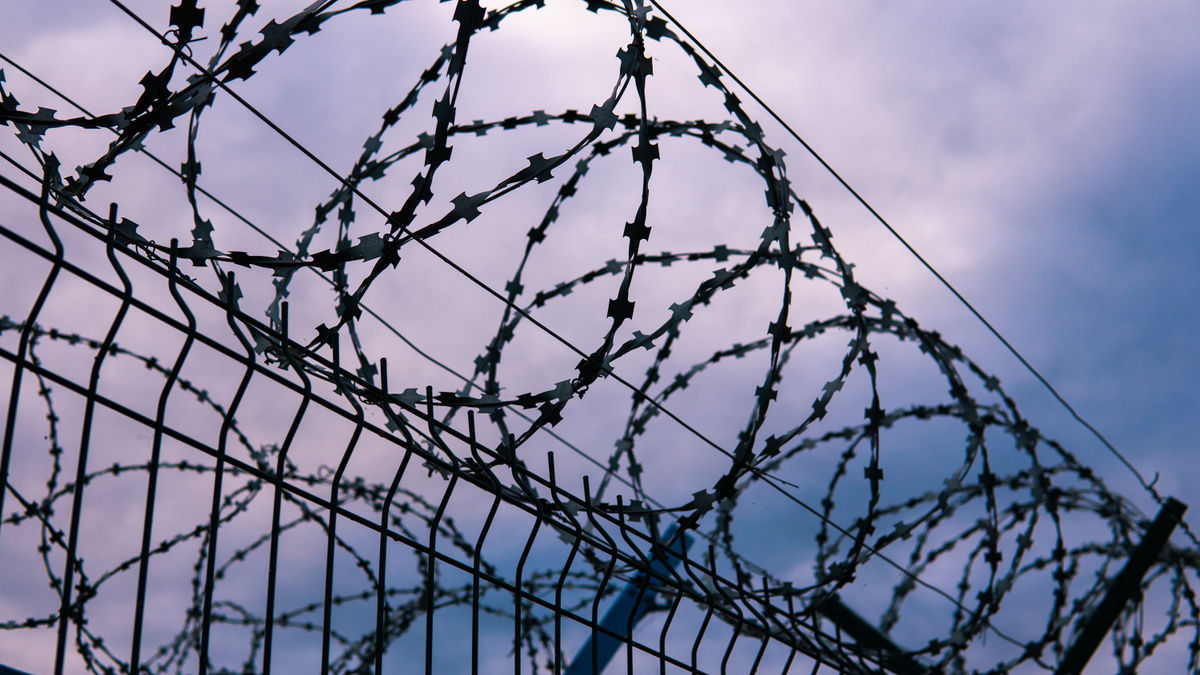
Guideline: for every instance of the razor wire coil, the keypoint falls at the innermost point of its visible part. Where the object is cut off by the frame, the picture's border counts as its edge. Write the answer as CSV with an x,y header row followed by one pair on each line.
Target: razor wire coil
x,y
616,538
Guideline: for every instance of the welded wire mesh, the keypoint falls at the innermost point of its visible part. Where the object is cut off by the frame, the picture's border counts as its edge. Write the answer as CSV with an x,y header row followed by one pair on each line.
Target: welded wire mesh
x,y
401,557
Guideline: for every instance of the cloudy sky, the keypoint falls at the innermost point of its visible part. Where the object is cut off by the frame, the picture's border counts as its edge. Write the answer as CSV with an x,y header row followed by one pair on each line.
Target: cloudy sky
x,y
1039,155
1042,156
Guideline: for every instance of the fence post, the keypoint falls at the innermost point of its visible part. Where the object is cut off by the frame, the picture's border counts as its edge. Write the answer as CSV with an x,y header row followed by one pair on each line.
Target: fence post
x,y
626,611
1123,588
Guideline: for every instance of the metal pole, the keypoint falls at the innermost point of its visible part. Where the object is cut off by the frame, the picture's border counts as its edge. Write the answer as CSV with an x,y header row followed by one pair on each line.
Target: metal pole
x,y
867,636
625,608
1123,588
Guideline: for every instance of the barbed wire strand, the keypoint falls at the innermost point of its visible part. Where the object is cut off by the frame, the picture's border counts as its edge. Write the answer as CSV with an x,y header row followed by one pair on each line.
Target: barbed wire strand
x,y
247,222
181,52
899,237
549,331
774,482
